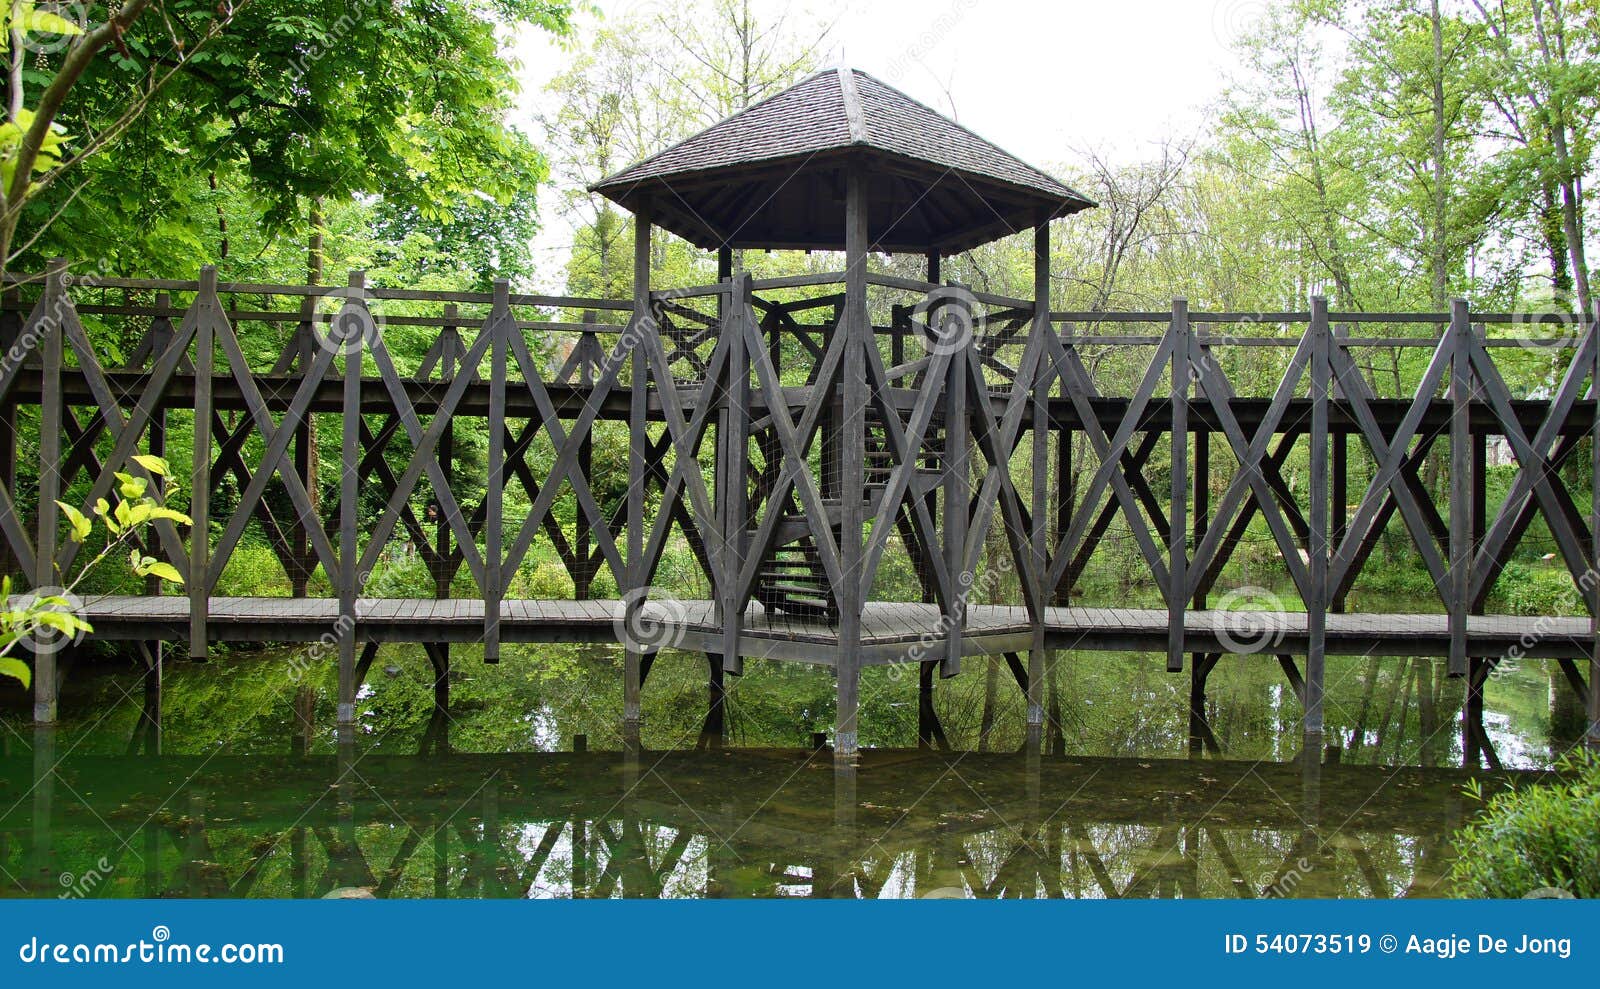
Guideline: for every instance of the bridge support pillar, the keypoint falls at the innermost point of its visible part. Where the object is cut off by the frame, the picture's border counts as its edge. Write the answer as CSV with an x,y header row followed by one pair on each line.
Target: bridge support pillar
x,y
1201,738
929,730
715,728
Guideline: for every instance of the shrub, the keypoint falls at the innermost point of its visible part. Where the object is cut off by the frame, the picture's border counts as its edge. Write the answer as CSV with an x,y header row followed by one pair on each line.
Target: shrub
x,y
1537,591
253,571
1540,837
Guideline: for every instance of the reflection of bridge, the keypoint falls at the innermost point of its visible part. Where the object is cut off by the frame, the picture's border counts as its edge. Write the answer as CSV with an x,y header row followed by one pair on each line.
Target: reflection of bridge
x,y
754,822
806,448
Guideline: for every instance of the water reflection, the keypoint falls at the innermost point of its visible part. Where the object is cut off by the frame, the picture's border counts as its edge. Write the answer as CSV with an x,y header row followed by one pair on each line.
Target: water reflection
x,y
725,822
228,780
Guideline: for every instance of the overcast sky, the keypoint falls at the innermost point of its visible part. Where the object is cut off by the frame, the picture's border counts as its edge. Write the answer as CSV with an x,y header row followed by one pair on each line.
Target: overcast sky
x,y
1041,79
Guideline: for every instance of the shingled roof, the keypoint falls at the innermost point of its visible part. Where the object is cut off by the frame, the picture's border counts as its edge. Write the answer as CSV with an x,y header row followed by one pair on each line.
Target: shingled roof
x,y
770,176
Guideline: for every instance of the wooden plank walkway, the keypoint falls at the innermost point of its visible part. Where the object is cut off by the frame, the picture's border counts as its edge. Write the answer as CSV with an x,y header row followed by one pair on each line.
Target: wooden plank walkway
x,y
890,632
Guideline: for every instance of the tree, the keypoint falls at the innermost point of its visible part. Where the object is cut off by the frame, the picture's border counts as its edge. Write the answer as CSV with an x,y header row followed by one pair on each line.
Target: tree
x,y
1545,80
35,150
305,101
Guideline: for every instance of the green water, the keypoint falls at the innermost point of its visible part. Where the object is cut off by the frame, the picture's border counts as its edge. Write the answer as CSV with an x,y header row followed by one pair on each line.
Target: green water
x,y
245,789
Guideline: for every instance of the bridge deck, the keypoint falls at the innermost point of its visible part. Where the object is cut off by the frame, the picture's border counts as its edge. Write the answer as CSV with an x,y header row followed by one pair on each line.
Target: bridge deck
x,y
890,631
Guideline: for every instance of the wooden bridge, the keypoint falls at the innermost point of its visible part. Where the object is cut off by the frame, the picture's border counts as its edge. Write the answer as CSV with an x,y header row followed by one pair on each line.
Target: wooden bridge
x,y
851,466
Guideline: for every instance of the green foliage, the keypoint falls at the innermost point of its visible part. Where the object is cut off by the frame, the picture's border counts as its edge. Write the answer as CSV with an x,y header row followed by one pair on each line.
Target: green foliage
x,y
1541,837
51,611
253,570
1536,590
400,109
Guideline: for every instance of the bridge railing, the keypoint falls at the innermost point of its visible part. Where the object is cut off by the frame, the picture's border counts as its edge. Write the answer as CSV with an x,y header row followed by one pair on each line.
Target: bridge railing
x,y
1311,436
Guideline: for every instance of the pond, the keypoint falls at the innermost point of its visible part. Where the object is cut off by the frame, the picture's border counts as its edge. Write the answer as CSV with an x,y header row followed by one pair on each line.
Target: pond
x,y
524,787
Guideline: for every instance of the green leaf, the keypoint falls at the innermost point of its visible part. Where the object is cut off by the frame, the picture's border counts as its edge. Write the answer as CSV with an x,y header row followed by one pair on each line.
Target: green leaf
x,y
165,571
44,22
81,527
154,465
16,669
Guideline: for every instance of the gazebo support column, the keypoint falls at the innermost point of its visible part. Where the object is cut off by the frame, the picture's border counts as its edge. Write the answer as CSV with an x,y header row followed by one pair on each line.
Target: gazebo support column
x,y
852,472
1038,659
638,442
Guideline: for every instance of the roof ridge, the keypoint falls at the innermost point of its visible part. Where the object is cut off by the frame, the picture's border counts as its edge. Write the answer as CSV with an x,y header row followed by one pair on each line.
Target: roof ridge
x,y
1041,173
855,114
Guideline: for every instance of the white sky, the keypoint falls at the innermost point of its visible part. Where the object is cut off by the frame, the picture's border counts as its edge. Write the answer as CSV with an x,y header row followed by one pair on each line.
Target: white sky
x,y
1040,79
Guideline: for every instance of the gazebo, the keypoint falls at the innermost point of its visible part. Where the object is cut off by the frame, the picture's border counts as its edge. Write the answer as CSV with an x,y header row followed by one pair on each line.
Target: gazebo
x,y
840,161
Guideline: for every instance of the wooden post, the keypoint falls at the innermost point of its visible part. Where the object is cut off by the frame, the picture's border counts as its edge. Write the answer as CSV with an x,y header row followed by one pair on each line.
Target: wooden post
x,y
156,442
1593,736
208,304
450,354
735,454
1341,494
342,331
305,454
1317,564
500,323
956,486
1177,522
638,442
852,474
46,684
1460,571
1040,511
